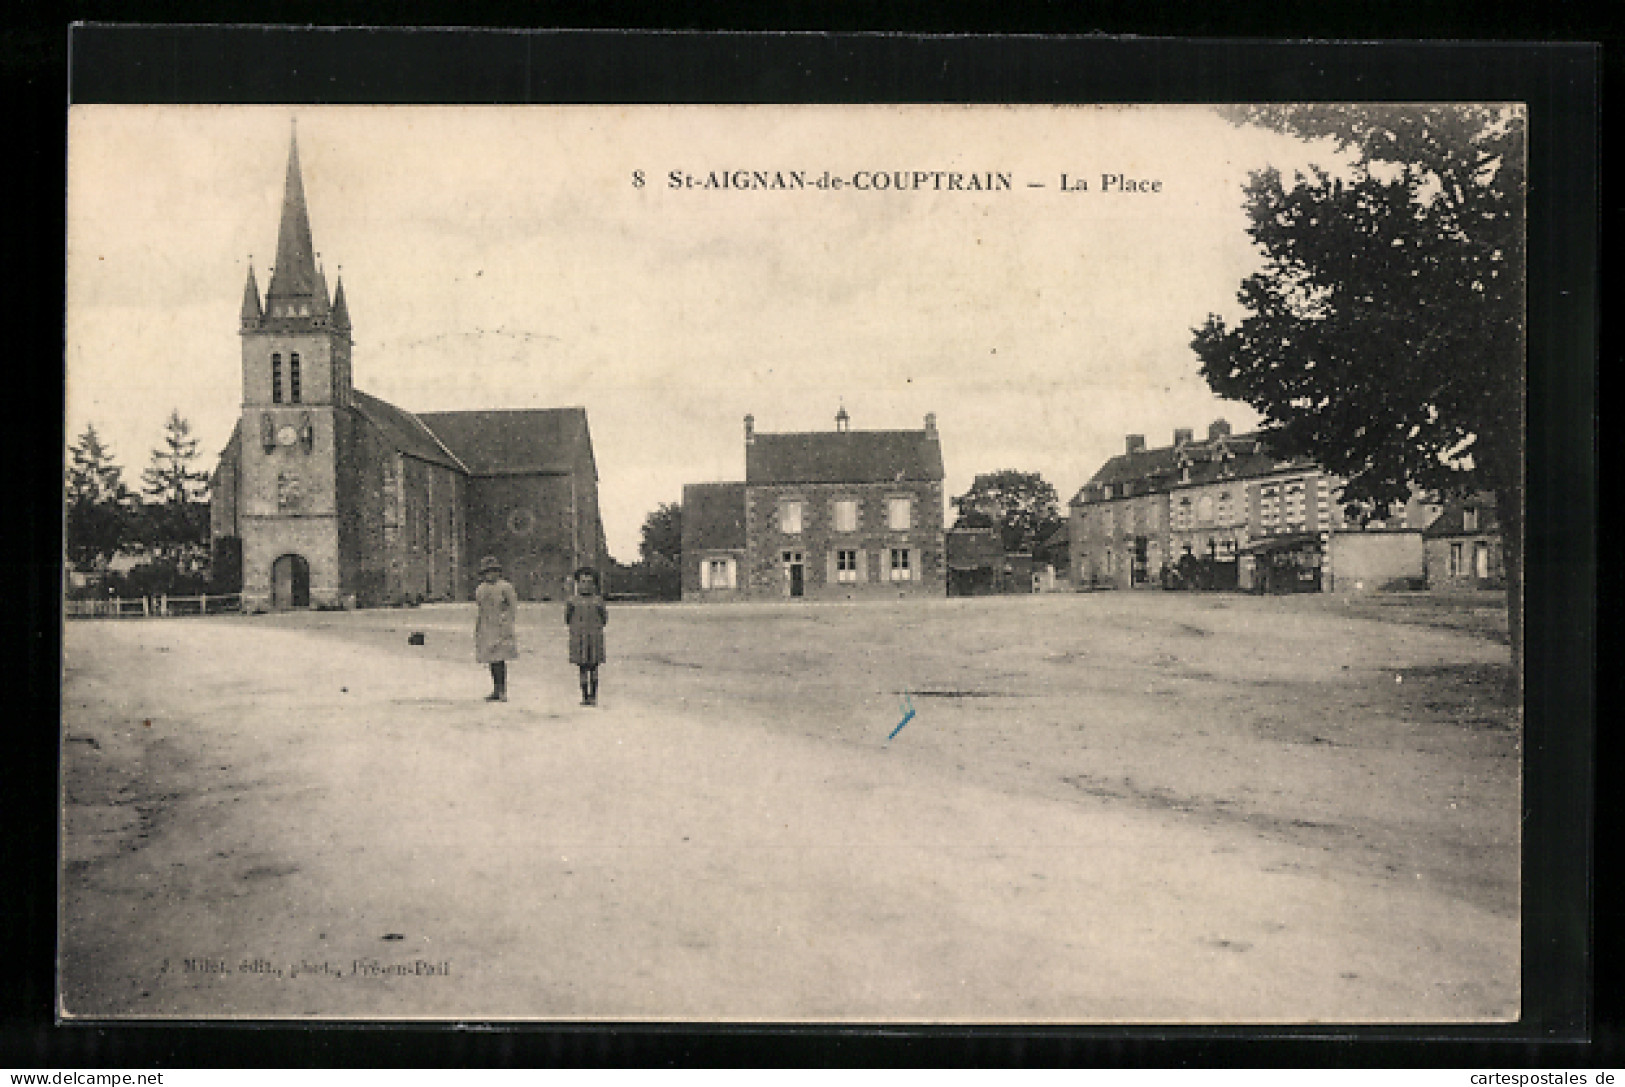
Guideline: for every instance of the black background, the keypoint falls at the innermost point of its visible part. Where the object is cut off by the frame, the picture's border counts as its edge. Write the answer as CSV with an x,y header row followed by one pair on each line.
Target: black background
x,y
1568,1021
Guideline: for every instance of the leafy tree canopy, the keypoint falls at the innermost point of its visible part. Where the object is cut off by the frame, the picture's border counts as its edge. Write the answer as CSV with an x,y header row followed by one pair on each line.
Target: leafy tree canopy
x,y
1022,504
662,539
1384,335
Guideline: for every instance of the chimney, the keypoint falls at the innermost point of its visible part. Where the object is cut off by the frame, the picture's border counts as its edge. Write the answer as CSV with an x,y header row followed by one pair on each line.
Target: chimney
x,y
750,430
842,419
1183,435
1134,443
1218,429
931,424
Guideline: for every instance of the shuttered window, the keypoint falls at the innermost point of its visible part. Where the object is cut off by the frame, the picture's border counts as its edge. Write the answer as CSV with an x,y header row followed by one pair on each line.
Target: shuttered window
x,y
902,565
846,565
276,379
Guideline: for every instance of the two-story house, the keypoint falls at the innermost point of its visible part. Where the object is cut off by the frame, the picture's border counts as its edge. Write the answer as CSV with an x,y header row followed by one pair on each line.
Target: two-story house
x,y
836,514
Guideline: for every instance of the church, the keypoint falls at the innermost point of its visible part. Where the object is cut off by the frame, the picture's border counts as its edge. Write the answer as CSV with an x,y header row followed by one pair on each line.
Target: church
x,y
328,497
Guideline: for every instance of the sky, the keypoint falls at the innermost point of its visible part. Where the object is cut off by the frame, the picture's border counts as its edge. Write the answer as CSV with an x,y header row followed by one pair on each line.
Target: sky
x,y
508,257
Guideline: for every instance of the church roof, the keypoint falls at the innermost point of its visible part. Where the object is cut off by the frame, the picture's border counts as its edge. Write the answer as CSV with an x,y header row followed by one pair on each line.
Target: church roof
x,y
516,442
849,456
713,516
403,430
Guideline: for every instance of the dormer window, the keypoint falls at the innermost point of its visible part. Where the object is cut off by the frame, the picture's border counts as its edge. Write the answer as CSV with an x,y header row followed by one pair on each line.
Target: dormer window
x,y
1469,519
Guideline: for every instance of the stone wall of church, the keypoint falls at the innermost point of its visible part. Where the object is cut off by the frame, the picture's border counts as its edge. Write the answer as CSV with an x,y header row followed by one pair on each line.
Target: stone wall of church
x,y
287,500
360,486
537,526
312,538
422,529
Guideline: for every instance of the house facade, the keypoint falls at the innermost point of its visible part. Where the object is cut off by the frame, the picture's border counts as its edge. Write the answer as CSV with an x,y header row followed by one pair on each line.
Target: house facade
x,y
325,496
1463,545
1221,509
831,515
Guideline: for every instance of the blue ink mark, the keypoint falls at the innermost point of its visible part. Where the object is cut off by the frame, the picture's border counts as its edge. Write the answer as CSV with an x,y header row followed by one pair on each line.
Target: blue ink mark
x,y
908,715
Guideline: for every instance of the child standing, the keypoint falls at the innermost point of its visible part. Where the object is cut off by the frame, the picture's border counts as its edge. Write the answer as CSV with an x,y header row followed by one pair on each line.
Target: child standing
x,y
494,641
586,617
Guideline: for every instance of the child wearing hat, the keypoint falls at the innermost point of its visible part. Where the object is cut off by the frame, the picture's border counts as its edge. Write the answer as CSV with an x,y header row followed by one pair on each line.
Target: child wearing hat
x,y
586,615
494,641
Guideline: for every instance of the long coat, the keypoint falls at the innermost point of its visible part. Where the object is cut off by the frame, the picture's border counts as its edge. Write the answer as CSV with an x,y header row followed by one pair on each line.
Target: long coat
x,y
493,628
586,618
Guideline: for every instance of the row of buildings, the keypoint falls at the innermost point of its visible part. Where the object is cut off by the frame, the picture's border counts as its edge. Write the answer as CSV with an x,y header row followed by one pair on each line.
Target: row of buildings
x,y
1222,507
327,496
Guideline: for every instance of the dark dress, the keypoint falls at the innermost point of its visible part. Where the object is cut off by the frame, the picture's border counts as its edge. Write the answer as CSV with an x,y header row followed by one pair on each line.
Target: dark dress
x,y
586,618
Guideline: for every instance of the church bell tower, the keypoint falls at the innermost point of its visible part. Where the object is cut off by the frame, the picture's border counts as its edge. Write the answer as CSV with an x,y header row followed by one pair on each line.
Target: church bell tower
x,y
296,392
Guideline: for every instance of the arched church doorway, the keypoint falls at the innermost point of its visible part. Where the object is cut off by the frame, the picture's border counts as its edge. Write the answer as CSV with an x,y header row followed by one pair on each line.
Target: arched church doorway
x,y
290,582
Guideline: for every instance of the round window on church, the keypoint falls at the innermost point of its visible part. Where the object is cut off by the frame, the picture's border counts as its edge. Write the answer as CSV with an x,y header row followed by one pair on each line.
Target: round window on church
x,y
521,522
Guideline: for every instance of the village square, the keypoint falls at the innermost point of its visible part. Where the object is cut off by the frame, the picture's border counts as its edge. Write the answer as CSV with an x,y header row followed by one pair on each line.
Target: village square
x,y
1222,728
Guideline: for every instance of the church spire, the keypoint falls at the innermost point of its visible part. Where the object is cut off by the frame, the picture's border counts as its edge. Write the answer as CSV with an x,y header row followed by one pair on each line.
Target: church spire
x,y
341,311
251,301
293,279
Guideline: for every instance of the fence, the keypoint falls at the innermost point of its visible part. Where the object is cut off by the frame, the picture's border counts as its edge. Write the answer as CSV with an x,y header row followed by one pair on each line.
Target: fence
x,y
146,606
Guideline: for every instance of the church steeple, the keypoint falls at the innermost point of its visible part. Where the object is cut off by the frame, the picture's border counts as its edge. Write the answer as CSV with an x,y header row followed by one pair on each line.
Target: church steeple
x,y
341,311
294,279
251,301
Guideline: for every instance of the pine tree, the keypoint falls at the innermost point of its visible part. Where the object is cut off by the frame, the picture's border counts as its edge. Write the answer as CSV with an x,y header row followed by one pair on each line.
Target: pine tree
x,y
100,508
176,514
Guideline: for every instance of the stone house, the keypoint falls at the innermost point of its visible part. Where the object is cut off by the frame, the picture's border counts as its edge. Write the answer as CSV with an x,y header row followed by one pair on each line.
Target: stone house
x,y
1463,545
326,496
831,515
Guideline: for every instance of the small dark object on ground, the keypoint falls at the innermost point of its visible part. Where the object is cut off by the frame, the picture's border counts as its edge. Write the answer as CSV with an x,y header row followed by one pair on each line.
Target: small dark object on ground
x,y
415,638
394,936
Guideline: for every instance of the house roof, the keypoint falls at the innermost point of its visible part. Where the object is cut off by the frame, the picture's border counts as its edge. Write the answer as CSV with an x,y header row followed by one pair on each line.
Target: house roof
x,y
1451,522
402,429
1232,456
713,516
518,442
850,456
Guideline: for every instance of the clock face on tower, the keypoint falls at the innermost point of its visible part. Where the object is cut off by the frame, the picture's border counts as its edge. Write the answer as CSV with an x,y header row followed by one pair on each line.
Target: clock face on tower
x,y
287,435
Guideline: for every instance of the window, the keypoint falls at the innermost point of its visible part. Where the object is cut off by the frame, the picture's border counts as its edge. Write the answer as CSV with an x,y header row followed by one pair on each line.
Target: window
x,y
1455,560
276,379
1204,508
846,566
790,518
293,378
1469,520
900,570
717,574
846,515
899,514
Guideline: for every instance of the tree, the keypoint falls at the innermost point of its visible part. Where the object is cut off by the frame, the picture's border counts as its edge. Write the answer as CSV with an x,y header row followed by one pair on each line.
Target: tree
x,y
1385,334
663,535
175,516
99,519
1025,508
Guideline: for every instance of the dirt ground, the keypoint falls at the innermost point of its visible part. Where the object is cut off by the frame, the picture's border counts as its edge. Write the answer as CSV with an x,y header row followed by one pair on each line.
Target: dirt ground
x,y
1106,807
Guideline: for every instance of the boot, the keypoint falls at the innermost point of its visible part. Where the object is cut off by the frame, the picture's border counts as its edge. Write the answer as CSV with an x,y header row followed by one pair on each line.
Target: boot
x,y
592,689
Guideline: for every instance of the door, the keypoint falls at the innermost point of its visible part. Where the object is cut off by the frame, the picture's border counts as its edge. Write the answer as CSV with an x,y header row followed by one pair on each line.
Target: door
x,y
795,573
290,582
